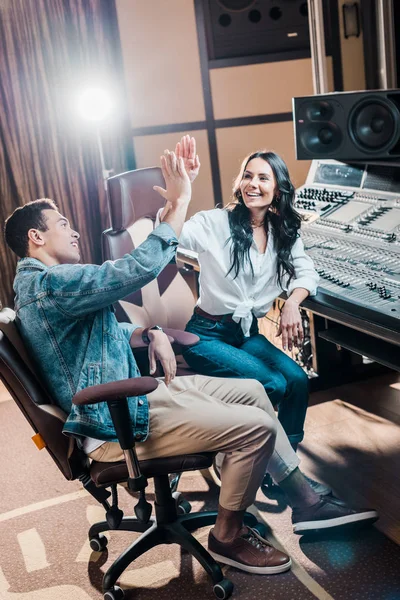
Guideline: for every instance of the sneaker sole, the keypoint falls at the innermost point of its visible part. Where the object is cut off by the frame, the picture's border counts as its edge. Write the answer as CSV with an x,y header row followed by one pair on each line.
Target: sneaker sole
x,y
306,526
257,570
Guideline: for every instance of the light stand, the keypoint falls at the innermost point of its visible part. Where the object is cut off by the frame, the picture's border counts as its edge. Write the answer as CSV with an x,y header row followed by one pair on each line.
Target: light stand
x,y
94,104
106,173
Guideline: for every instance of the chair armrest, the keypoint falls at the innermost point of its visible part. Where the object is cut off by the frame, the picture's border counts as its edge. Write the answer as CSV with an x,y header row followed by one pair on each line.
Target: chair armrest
x,y
115,393
181,339
115,390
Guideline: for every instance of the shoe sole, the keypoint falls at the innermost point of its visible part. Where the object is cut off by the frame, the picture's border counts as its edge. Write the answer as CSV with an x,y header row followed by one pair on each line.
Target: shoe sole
x,y
257,570
307,526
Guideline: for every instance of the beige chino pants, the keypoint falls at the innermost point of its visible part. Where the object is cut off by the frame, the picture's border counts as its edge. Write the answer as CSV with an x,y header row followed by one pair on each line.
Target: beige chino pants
x,y
206,414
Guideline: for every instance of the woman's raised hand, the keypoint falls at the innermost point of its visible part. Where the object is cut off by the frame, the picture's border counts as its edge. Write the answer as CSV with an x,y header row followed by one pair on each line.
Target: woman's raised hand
x,y
178,188
186,149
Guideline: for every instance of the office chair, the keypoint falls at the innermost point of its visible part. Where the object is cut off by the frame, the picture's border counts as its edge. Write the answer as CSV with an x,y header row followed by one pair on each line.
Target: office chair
x,y
101,479
167,301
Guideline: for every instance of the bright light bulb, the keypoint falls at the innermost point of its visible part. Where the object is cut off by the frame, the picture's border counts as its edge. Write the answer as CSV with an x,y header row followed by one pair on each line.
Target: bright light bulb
x,y
94,104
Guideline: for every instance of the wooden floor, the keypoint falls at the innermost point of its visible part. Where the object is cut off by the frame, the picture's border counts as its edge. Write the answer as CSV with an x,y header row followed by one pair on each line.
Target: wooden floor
x,y
352,442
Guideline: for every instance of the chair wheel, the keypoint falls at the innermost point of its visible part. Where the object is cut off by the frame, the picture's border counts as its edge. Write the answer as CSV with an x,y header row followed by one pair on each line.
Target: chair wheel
x,y
183,507
98,543
176,496
261,528
114,594
223,589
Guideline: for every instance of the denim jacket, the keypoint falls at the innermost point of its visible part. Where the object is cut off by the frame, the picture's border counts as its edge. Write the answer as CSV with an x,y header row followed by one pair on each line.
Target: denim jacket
x,y
65,316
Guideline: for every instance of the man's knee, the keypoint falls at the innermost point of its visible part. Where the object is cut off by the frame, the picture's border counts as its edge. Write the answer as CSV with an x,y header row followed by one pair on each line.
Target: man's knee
x,y
260,398
269,424
255,389
263,424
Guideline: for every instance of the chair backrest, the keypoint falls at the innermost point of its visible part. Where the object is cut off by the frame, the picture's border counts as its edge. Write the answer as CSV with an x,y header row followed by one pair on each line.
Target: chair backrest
x,y
167,301
18,375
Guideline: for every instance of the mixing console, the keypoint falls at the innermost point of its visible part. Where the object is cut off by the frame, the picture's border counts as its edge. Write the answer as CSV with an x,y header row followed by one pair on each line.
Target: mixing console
x,y
352,233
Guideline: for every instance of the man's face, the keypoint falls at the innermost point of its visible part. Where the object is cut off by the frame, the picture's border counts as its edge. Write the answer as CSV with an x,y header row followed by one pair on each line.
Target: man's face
x,y
60,242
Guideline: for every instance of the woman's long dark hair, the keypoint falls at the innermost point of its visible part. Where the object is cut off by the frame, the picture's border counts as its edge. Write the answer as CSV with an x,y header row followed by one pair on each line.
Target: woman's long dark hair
x,y
281,218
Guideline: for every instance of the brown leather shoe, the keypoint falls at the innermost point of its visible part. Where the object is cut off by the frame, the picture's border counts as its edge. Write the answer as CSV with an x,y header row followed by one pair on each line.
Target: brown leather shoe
x,y
249,552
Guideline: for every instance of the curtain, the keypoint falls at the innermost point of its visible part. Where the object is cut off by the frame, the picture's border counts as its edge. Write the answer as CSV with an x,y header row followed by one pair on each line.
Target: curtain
x,y
51,49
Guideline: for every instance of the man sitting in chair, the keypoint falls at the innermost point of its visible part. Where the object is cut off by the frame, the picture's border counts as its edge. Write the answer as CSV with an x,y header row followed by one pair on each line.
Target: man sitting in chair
x,y
66,319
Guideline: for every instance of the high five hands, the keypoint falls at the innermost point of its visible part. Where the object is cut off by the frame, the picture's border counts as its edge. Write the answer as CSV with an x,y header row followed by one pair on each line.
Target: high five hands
x,y
186,149
179,168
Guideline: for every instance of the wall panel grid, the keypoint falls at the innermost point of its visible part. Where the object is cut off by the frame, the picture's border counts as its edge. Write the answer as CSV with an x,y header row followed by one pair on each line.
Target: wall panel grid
x,y
161,60
261,89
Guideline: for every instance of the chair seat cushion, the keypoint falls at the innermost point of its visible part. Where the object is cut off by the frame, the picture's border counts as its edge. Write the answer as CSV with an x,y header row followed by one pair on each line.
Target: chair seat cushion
x,y
104,474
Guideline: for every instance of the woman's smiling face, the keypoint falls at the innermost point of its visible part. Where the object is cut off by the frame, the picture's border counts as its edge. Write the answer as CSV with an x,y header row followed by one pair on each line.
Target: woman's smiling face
x,y
258,186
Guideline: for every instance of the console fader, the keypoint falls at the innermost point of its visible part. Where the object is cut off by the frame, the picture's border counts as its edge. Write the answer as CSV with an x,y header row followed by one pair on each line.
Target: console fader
x,y
352,233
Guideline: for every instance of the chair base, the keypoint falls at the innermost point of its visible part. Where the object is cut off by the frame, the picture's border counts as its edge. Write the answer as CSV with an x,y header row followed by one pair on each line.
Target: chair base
x,y
154,534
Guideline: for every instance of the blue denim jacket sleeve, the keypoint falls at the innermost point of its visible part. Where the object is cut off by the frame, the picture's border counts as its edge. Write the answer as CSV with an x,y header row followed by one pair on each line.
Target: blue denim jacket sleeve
x,y
127,329
82,289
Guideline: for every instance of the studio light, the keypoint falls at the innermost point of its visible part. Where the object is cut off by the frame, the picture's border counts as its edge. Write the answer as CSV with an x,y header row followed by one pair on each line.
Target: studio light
x,y
94,104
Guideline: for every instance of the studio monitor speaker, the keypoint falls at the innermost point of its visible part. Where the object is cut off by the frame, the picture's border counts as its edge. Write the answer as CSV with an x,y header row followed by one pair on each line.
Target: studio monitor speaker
x,y
348,125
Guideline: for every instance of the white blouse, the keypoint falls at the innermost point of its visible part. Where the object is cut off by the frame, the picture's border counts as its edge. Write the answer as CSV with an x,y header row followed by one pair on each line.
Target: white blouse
x,y
208,233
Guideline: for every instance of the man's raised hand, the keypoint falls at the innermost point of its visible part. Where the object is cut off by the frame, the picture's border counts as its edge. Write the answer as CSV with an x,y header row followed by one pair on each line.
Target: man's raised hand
x,y
177,193
178,188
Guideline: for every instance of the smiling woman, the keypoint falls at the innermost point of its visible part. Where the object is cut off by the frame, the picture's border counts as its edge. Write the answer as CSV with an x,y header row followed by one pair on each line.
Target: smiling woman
x,y
263,196
249,252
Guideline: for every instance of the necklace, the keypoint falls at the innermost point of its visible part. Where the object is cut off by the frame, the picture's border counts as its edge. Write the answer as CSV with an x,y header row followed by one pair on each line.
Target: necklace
x,y
256,225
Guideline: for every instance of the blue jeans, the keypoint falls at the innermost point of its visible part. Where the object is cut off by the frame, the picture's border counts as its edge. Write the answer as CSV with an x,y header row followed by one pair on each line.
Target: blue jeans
x,y
223,351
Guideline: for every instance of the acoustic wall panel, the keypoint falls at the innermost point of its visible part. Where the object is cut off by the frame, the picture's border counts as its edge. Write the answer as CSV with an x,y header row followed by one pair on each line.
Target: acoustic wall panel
x,y
234,143
261,89
149,148
161,60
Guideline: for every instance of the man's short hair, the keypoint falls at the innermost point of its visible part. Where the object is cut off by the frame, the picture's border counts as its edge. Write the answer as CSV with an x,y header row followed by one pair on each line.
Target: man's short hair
x,y
24,218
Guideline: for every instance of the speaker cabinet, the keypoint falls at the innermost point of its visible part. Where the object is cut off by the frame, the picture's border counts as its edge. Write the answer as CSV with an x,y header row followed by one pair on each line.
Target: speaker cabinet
x,y
348,126
238,28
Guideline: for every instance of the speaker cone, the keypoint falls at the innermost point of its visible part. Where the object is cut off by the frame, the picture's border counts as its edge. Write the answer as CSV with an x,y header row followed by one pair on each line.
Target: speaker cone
x,y
322,139
373,125
319,111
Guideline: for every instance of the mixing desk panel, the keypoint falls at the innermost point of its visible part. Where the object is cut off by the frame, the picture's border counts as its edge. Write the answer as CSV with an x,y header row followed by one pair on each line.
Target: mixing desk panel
x,y
352,233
